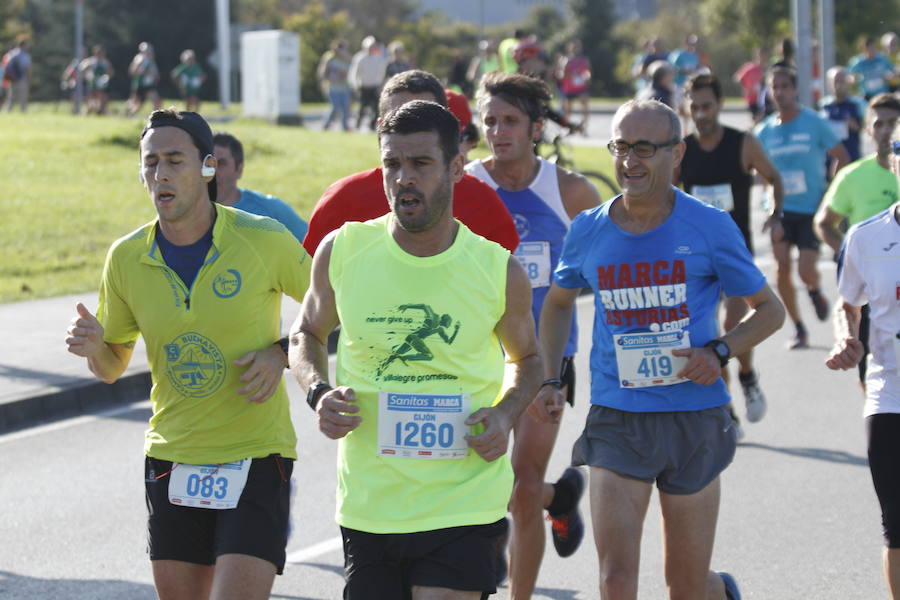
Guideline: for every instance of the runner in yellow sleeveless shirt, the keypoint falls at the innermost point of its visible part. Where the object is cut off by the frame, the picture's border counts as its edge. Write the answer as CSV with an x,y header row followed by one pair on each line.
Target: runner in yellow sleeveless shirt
x,y
421,410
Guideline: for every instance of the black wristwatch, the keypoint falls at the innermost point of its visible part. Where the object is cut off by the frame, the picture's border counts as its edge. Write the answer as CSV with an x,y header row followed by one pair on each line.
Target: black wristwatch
x,y
285,345
723,352
315,391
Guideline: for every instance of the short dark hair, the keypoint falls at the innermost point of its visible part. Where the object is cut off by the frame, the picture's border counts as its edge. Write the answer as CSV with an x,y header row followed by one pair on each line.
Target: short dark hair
x,y
886,100
528,94
470,133
704,81
189,122
221,138
788,72
413,82
420,116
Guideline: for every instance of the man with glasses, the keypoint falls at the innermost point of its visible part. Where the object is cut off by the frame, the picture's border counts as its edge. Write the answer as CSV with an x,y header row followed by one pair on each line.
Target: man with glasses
x,y
543,199
800,143
717,169
658,261
862,189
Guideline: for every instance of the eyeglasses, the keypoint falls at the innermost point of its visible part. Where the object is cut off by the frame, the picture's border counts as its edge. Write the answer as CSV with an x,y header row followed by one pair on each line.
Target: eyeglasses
x,y
895,146
642,148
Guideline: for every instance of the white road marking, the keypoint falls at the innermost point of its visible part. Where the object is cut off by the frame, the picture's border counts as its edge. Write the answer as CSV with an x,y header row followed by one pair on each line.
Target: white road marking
x,y
316,550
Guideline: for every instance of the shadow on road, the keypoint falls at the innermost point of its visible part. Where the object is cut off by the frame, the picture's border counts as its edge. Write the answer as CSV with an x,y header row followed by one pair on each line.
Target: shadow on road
x,y
14,372
138,415
555,594
835,456
15,586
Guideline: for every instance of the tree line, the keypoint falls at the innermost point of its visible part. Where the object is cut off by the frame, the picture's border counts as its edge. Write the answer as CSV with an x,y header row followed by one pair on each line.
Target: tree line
x,y
729,30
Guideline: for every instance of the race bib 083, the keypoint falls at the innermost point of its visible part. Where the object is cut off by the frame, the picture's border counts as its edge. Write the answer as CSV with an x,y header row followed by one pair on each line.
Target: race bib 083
x,y
208,486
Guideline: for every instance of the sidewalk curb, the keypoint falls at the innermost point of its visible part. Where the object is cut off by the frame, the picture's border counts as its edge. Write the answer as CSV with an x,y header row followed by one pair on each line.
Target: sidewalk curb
x,y
87,397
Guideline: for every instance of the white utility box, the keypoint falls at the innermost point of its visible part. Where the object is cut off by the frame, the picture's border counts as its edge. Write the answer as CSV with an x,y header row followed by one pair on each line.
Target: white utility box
x,y
270,75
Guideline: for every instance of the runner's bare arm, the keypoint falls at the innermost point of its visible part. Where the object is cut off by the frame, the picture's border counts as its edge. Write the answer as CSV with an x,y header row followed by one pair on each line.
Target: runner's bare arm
x,y
826,224
754,158
765,318
848,349
553,332
841,159
577,192
84,337
308,353
516,332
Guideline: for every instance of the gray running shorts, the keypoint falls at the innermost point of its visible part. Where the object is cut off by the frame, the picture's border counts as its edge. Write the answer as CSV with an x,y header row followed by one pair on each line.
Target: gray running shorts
x,y
682,452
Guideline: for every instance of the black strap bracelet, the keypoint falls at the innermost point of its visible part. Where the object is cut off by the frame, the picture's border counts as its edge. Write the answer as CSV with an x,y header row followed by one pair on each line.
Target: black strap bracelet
x,y
557,383
284,343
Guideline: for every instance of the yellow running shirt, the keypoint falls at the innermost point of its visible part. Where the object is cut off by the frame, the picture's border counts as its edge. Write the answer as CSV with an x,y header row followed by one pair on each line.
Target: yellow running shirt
x,y
861,190
418,347
194,335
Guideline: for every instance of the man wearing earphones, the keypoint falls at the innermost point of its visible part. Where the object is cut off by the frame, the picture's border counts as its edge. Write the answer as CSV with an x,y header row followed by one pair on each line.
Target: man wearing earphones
x,y
203,283
229,154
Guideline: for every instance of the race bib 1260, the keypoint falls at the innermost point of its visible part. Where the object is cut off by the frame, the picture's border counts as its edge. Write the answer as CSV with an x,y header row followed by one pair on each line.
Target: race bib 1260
x,y
645,359
208,486
423,426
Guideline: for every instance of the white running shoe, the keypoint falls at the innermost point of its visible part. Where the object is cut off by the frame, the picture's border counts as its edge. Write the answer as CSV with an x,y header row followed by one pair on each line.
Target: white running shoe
x,y
754,397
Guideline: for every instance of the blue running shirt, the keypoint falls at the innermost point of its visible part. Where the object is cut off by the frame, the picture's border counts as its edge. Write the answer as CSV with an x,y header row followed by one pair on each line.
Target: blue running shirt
x,y
799,150
542,223
666,279
269,206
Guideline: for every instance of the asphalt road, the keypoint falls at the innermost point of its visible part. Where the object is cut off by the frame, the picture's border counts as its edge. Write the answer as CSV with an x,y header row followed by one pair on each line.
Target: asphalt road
x,y
798,518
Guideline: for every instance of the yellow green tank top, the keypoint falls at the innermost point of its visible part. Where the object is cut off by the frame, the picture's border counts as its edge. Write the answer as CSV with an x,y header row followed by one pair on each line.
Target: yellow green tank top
x,y
418,347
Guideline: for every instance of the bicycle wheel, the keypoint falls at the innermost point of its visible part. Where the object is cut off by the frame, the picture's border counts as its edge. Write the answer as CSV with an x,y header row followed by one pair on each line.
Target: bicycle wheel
x,y
606,186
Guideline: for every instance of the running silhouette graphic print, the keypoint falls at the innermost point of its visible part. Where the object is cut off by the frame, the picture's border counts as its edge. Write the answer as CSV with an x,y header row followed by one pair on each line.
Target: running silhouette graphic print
x,y
414,347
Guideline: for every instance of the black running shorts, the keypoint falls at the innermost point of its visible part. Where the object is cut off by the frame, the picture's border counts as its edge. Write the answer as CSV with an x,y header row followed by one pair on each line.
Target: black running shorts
x,y
883,433
388,565
798,231
258,526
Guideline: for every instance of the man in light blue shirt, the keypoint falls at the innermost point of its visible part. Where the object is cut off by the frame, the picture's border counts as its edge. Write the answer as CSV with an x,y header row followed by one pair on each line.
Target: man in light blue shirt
x,y
686,60
871,70
229,154
798,142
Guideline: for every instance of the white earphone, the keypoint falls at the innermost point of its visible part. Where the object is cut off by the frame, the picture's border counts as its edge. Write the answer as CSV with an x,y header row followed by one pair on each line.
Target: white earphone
x,y
206,170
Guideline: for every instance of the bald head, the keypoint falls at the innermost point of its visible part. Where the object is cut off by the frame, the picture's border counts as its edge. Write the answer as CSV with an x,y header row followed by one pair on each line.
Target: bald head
x,y
668,118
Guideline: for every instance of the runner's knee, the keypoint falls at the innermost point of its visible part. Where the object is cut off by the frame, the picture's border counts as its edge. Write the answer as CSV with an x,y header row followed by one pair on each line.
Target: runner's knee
x,y
528,492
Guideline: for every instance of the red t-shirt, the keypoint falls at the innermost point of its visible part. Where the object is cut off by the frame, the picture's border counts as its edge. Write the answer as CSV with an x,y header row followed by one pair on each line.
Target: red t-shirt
x,y
361,197
749,75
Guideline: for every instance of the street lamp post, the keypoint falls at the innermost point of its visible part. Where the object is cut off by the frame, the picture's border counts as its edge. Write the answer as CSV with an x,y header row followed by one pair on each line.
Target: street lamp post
x,y
79,48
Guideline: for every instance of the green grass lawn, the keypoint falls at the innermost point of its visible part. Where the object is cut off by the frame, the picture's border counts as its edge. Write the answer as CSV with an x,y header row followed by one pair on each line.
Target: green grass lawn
x,y
70,187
